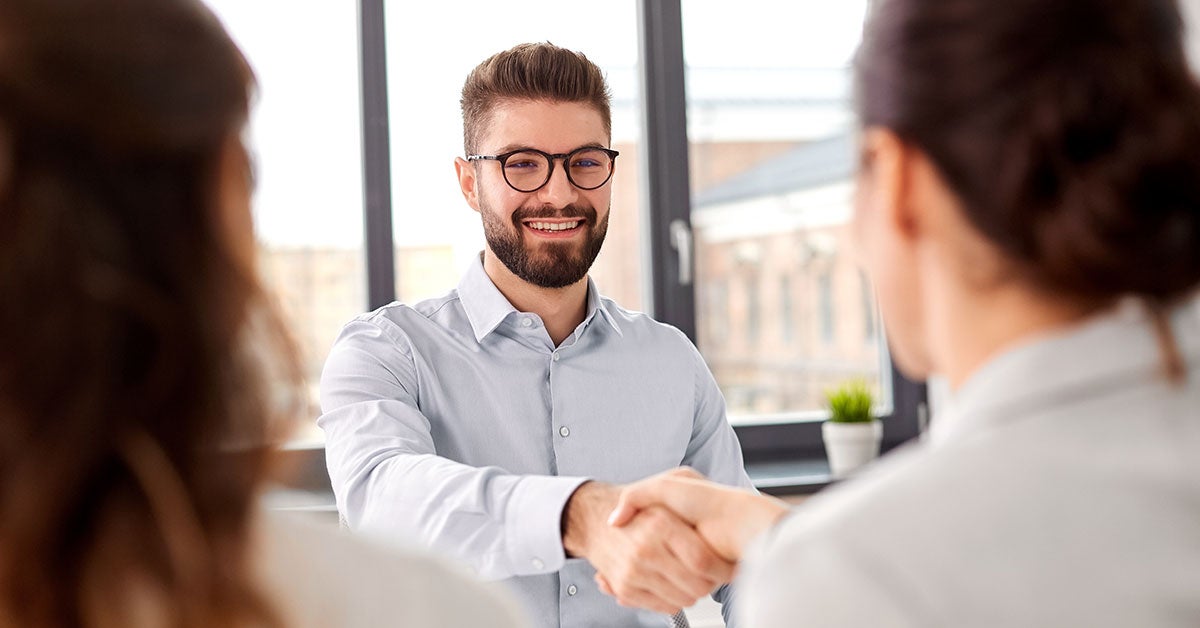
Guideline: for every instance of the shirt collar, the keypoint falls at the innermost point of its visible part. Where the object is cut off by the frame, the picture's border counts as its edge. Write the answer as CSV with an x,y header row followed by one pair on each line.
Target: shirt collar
x,y
1112,349
486,307
596,304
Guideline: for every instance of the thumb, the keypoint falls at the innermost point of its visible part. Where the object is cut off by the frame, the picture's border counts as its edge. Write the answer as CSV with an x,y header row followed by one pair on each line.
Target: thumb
x,y
632,499
651,491
625,510
686,473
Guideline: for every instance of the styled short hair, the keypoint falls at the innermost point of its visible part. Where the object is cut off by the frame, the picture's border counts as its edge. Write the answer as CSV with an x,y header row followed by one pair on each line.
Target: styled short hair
x,y
540,71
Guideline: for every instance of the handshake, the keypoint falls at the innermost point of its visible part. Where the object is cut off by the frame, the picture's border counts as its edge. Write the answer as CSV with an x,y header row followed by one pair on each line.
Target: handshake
x,y
664,542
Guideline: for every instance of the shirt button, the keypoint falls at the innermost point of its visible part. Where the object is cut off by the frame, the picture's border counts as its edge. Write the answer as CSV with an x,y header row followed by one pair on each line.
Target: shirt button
x,y
526,322
564,431
572,590
537,563
556,356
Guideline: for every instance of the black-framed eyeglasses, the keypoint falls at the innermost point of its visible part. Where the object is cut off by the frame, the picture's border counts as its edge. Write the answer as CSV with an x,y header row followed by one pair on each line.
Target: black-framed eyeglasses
x,y
529,169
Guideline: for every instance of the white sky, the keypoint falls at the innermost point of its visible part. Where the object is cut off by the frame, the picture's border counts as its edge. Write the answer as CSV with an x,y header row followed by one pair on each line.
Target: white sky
x,y
305,129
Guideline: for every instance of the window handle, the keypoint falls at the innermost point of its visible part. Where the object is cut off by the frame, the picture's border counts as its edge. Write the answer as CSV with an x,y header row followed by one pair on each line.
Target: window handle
x,y
681,241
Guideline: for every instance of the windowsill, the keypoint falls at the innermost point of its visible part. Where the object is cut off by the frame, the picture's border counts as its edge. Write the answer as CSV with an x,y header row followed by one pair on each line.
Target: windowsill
x,y
309,490
799,476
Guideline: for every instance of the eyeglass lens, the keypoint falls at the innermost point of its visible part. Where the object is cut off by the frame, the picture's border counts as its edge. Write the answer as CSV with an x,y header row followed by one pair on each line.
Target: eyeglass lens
x,y
587,169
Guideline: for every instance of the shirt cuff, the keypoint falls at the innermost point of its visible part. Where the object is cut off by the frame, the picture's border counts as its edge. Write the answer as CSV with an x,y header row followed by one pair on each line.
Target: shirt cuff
x,y
533,523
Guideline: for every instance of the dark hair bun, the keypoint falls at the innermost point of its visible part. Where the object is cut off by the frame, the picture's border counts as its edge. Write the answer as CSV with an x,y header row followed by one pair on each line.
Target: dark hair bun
x,y
1069,129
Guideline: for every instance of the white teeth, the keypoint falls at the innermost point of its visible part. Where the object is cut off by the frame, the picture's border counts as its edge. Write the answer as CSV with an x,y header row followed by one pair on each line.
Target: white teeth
x,y
554,226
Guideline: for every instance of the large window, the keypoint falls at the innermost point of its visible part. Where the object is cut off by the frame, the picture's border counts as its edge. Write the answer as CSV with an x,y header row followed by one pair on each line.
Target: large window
x,y
770,132
730,198
436,233
304,137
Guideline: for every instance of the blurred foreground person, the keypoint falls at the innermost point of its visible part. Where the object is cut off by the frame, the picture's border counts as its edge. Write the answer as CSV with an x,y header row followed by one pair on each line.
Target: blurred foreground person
x,y
1029,209
138,352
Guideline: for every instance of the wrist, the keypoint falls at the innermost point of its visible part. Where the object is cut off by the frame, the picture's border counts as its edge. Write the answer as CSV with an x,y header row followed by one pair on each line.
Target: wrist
x,y
758,513
587,508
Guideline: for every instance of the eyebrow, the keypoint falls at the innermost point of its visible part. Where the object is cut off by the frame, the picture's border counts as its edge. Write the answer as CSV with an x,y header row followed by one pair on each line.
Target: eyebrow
x,y
517,147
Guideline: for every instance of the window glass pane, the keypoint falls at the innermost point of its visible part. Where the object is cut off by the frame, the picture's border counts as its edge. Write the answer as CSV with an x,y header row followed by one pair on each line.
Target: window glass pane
x,y
436,233
304,136
1191,16
770,126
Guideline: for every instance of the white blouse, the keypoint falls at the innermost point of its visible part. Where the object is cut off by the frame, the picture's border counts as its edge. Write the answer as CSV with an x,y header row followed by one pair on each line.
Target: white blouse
x,y
321,577
1061,487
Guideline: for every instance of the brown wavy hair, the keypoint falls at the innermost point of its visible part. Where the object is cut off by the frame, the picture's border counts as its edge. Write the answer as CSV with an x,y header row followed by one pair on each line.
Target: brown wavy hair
x,y
540,71
132,333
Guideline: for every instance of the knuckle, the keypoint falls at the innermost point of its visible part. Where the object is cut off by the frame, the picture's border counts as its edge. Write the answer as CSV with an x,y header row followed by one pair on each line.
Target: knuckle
x,y
657,516
698,591
621,578
701,561
643,553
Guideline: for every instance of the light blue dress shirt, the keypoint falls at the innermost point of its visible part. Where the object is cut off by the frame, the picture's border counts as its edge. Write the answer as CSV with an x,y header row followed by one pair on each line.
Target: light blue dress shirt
x,y
456,423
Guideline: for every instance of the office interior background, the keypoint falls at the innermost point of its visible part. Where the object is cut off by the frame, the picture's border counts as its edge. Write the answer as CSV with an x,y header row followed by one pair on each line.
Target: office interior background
x,y
730,201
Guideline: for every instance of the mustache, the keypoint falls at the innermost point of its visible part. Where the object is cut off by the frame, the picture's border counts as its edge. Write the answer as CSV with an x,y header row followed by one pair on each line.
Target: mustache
x,y
585,212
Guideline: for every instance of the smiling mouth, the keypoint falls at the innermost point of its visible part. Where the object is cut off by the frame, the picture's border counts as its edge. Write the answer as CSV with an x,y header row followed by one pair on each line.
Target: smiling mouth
x,y
553,227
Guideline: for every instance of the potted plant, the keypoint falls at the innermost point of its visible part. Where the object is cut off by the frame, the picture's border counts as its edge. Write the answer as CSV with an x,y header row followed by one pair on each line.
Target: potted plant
x,y
852,434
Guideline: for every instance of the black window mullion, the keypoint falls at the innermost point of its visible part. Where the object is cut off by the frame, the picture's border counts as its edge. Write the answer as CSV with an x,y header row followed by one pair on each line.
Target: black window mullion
x,y
377,188
665,146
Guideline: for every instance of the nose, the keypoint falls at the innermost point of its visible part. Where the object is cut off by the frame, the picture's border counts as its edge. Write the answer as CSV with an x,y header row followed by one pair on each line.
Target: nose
x,y
558,191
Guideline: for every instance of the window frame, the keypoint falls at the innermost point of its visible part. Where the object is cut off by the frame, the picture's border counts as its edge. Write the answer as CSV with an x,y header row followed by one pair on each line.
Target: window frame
x,y
664,107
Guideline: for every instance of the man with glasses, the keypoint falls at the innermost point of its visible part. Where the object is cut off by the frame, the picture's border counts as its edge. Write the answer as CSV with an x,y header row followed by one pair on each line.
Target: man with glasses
x,y
495,424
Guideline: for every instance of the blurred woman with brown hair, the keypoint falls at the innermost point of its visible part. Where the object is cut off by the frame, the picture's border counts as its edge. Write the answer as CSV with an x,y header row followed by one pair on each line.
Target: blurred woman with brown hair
x,y
137,347
1029,209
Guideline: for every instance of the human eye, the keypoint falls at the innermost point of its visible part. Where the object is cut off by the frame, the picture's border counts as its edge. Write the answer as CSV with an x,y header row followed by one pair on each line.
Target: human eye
x,y
525,161
589,160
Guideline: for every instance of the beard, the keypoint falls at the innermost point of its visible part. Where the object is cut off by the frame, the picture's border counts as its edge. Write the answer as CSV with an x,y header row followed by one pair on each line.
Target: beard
x,y
546,264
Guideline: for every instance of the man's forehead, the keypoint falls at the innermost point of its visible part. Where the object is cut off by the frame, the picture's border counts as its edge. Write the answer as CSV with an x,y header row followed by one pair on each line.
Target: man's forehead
x,y
546,125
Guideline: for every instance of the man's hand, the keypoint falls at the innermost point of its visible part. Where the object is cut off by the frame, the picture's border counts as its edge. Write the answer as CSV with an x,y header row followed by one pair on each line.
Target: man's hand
x,y
728,519
655,561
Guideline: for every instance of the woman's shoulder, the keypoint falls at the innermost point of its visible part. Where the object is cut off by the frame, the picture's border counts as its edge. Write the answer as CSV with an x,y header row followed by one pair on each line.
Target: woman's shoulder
x,y
319,575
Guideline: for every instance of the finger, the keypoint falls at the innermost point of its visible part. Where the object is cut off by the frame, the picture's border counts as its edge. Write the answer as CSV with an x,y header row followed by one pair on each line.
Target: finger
x,y
623,513
660,527
693,551
661,581
645,493
641,598
686,472
692,499
603,585
636,497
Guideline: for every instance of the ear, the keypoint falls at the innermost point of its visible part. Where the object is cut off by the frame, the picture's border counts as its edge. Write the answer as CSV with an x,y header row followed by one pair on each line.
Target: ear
x,y
467,181
888,168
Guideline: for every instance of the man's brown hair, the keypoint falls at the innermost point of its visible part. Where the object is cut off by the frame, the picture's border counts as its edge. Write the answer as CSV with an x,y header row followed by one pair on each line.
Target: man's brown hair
x,y
539,71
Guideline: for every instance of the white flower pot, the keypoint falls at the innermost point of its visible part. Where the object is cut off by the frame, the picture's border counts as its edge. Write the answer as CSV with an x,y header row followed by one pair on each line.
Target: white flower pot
x,y
851,445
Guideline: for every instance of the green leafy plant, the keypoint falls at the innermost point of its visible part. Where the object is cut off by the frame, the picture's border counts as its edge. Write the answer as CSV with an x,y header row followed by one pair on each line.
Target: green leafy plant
x,y
851,402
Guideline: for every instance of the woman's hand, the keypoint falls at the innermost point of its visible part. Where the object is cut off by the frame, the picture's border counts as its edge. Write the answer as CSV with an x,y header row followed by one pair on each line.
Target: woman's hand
x,y
728,519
